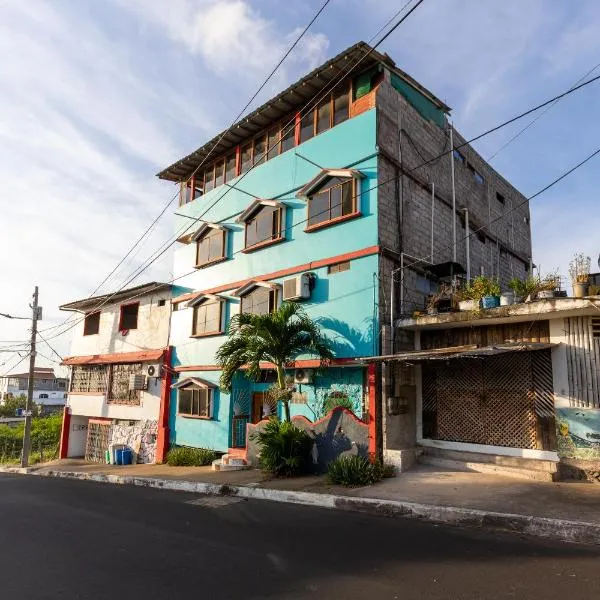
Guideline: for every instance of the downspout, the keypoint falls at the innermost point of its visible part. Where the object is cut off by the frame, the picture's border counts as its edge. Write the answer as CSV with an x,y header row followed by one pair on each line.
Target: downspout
x,y
453,194
432,216
467,244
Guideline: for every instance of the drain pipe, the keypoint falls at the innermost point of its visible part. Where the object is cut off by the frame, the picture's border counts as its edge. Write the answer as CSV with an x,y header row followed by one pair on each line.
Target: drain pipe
x,y
468,244
432,215
453,193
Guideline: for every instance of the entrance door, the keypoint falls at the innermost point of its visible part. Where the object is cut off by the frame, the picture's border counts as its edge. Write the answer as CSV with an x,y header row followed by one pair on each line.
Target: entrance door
x,y
258,401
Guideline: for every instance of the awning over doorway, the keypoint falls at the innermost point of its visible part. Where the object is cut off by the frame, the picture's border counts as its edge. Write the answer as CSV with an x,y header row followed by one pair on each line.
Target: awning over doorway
x,y
460,352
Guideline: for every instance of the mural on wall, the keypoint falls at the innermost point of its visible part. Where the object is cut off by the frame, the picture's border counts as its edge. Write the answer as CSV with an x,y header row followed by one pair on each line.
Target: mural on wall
x,y
578,433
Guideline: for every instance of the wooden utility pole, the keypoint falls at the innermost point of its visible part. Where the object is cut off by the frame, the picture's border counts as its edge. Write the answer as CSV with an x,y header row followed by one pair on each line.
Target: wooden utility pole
x,y
30,382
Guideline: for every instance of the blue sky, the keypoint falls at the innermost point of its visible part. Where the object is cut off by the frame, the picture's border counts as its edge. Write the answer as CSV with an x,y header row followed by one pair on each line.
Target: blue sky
x,y
96,97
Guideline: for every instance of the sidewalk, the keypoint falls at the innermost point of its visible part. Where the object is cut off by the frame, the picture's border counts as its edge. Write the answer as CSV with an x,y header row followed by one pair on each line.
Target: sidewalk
x,y
566,511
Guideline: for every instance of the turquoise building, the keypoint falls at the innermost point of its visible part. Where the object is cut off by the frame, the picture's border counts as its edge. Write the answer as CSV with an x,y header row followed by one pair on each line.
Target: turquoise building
x,y
299,200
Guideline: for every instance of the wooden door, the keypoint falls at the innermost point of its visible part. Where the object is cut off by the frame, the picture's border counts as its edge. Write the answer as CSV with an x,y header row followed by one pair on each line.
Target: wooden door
x,y
258,399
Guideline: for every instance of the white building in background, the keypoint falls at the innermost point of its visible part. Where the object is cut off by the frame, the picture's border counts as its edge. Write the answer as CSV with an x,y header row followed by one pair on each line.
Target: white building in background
x,y
119,374
48,389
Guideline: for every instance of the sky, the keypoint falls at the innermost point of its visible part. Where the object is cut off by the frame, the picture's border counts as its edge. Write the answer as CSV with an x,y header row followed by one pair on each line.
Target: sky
x,y
96,96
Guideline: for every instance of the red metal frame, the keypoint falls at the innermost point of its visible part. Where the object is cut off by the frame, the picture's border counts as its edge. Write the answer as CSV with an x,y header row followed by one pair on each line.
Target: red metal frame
x,y
371,383
64,433
162,440
121,328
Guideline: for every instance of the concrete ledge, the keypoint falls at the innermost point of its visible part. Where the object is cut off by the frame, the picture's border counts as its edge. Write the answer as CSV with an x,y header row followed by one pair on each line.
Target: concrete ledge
x,y
558,529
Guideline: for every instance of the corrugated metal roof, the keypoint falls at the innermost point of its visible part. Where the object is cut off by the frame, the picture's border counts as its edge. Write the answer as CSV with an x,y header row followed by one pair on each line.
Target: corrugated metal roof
x,y
289,101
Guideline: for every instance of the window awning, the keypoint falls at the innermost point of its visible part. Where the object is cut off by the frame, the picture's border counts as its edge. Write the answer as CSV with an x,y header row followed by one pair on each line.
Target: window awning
x,y
116,358
460,352
193,381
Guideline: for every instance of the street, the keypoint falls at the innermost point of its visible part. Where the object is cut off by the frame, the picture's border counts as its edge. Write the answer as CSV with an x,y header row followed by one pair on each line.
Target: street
x,y
72,539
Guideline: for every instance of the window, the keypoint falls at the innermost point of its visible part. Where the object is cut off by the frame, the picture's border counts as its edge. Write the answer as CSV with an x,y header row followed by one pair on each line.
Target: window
x,y
91,325
339,267
195,401
263,226
129,316
209,179
89,378
219,172
208,318
230,168
500,197
324,116
43,395
288,137
307,127
458,156
260,147
118,390
477,176
246,158
61,385
273,143
260,301
481,237
341,106
335,200
162,302
210,247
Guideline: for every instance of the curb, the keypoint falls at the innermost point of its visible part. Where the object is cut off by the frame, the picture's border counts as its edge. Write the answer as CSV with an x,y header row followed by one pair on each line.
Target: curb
x,y
557,529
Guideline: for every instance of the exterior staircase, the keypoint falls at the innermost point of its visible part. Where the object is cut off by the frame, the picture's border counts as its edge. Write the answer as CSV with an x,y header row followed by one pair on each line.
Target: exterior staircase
x,y
234,460
511,466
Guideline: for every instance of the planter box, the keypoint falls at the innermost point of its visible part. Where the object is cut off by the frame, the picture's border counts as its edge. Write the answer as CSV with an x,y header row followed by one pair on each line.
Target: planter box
x,y
490,302
466,305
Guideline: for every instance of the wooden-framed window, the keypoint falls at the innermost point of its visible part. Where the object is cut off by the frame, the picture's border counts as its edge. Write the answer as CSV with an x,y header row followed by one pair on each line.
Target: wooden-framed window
x,y
246,157
338,267
231,167
195,401
263,226
128,318
91,324
210,247
191,189
307,126
259,301
324,116
260,149
209,179
208,318
332,202
219,172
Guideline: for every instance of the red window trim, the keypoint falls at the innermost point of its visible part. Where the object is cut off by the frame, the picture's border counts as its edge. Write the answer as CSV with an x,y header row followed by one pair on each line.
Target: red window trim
x,y
121,315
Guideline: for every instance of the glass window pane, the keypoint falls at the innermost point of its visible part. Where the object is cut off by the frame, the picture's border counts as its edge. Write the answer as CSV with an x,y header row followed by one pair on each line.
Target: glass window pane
x,y
216,244
198,188
219,172
336,202
307,125
203,252
264,225
348,200
185,401
323,116
246,158
288,140
209,180
318,208
340,106
203,403
259,150
230,168
213,316
273,149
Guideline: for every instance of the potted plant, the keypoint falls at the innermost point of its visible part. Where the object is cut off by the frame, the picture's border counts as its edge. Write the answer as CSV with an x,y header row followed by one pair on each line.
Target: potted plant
x,y
467,298
523,289
488,290
579,270
548,285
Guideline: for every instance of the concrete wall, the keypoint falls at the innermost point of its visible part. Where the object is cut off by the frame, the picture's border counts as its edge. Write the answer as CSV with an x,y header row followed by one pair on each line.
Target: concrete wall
x,y
405,141
152,331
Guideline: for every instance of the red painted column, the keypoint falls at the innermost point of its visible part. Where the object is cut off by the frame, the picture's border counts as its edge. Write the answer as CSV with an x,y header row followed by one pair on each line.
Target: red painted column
x,y
162,441
371,383
64,433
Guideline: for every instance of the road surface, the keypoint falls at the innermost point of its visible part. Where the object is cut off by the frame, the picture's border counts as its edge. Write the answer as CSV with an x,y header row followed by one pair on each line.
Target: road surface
x,y
82,540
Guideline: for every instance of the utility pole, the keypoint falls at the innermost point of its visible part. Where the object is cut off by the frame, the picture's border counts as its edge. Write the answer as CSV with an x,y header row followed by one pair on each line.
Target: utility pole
x,y
28,407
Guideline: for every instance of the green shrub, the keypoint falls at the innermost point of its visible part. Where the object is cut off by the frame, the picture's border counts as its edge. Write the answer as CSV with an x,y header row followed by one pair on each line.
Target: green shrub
x,y
354,471
182,456
285,450
336,399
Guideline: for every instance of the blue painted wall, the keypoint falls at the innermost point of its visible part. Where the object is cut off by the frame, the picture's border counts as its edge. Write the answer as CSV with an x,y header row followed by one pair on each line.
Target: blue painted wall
x,y
343,303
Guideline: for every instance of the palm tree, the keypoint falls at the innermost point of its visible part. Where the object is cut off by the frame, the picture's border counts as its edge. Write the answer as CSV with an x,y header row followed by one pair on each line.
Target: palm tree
x,y
278,337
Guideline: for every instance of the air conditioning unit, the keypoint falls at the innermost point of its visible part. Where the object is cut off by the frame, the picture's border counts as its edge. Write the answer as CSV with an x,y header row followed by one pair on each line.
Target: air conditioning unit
x,y
297,288
137,382
153,370
303,376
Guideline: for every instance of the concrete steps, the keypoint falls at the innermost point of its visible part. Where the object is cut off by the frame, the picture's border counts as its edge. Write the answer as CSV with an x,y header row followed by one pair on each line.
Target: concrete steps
x,y
510,466
230,462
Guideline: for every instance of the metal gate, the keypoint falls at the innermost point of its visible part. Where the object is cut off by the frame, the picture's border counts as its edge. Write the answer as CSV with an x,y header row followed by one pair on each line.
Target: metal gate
x,y
97,441
504,400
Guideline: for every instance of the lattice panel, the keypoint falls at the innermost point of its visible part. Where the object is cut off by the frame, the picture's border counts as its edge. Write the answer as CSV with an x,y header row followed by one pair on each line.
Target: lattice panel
x,y
119,384
97,442
89,378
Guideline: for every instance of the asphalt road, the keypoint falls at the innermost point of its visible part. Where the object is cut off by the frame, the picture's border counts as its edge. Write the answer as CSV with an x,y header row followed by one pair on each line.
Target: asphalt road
x,y
74,539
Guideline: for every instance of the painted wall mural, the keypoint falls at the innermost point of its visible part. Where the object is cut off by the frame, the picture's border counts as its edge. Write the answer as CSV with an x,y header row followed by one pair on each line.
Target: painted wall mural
x,y
578,433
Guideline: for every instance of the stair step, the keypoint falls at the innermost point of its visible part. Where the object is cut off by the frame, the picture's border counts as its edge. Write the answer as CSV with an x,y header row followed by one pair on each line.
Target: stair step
x,y
462,465
227,463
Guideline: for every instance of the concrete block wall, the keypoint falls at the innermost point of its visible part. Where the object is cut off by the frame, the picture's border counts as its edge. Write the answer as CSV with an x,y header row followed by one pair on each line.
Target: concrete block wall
x,y
405,141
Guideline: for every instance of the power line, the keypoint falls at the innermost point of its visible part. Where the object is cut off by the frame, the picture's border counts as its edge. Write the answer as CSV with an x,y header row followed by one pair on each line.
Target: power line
x,y
15,365
49,346
538,117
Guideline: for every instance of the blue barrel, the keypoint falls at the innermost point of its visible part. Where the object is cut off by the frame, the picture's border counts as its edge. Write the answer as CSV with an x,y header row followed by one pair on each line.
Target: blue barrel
x,y
126,456
119,456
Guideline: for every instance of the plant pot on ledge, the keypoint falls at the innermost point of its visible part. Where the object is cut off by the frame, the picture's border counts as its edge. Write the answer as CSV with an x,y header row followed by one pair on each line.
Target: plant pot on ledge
x,y
490,302
468,305
581,289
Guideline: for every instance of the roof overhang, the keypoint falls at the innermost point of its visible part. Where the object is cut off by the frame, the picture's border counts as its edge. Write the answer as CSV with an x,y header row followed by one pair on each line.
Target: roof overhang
x,y
254,206
204,228
472,351
291,100
94,302
247,287
325,174
195,381
116,358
